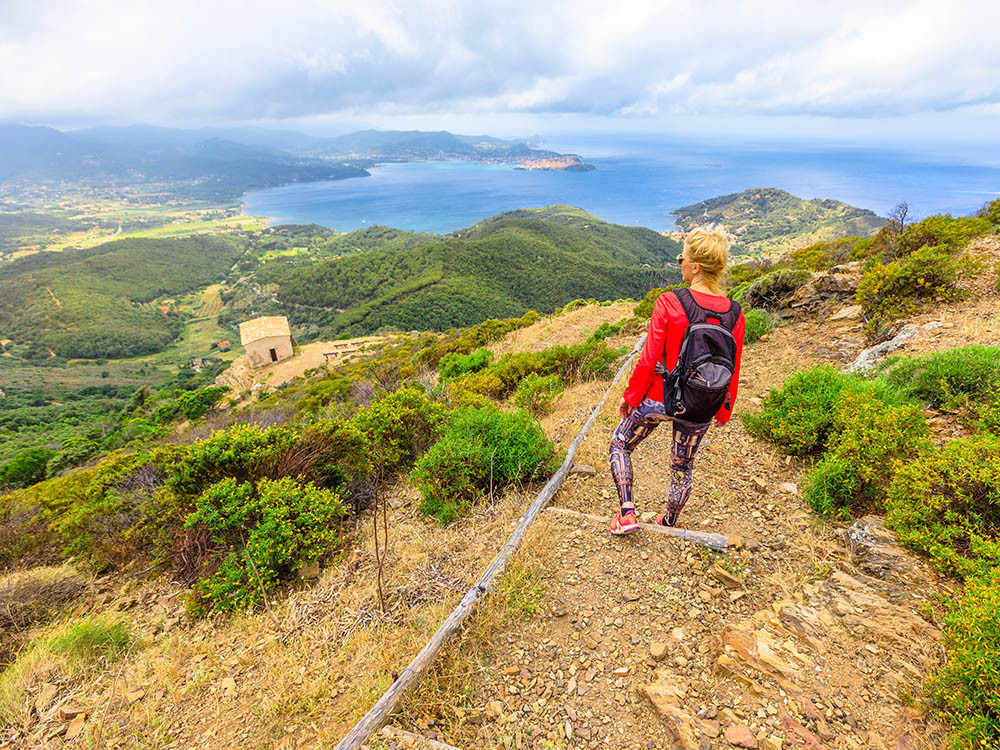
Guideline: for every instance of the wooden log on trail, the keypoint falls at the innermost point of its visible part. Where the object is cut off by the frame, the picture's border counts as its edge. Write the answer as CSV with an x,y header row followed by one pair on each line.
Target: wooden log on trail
x,y
411,740
718,542
378,713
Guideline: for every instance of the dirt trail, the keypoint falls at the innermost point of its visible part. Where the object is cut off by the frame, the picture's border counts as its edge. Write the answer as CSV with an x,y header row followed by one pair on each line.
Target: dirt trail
x,y
797,637
54,298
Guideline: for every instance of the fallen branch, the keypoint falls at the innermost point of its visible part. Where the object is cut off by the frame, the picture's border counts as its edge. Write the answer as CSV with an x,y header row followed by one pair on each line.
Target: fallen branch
x,y
414,740
715,541
378,713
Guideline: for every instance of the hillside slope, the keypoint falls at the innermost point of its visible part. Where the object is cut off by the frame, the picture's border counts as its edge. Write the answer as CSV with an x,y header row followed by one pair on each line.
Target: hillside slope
x,y
500,267
768,220
96,302
806,632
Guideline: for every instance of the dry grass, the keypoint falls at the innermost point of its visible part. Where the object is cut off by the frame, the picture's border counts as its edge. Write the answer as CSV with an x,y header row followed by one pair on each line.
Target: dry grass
x,y
334,651
63,653
446,695
573,327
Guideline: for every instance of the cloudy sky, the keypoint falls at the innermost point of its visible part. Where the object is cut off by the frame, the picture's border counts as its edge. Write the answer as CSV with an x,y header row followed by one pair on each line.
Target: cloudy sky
x,y
506,66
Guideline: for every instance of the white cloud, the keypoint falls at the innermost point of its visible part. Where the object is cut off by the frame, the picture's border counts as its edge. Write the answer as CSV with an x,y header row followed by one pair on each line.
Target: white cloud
x,y
104,60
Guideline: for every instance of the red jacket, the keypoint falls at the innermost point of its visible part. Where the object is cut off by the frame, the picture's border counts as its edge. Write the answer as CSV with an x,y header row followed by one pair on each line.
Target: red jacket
x,y
666,328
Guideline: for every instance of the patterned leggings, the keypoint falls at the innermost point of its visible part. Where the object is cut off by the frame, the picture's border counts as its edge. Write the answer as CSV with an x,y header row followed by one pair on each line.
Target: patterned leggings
x,y
633,430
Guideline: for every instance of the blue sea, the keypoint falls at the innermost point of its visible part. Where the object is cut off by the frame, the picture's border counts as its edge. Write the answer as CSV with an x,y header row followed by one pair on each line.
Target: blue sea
x,y
638,181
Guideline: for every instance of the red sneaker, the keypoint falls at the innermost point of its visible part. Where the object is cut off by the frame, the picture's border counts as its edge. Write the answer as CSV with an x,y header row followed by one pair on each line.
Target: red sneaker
x,y
624,524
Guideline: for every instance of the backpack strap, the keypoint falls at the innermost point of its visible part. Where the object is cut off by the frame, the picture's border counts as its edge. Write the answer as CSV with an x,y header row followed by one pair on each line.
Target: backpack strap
x,y
694,312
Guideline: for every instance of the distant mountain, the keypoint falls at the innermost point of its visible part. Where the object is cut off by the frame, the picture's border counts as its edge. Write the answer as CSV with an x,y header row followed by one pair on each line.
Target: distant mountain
x,y
363,147
208,168
222,163
412,145
501,267
764,220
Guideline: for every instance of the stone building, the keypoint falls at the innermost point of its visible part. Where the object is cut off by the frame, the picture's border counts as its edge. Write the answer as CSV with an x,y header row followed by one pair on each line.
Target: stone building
x,y
266,340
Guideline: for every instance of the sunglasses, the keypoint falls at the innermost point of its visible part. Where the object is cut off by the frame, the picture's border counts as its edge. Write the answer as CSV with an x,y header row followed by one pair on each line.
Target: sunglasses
x,y
680,259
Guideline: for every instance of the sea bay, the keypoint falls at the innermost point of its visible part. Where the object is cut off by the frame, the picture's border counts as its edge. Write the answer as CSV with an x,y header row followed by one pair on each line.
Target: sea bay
x,y
638,181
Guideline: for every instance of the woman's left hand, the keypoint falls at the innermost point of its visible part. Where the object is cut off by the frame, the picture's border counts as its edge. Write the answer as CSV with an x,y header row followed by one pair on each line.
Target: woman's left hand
x,y
624,410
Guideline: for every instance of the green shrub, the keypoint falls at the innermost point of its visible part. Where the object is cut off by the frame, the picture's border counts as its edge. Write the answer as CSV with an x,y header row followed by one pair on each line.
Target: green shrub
x,y
890,291
747,272
799,416
126,510
322,392
873,434
891,243
645,307
606,330
572,364
823,255
770,290
454,365
867,439
27,515
833,487
480,449
966,691
536,392
26,468
266,532
758,322
399,426
948,378
738,293
946,504
194,404
988,414
244,452
942,230
991,212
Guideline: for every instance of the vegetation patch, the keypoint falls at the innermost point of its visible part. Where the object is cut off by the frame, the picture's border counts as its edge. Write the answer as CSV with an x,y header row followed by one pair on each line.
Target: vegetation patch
x,y
267,532
964,379
479,451
907,266
862,427
97,302
947,505
821,256
71,649
758,323
537,392
966,691
771,289
572,364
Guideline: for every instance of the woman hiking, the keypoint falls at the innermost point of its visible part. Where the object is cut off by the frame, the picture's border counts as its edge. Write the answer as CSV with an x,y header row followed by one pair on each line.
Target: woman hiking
x,y
645,404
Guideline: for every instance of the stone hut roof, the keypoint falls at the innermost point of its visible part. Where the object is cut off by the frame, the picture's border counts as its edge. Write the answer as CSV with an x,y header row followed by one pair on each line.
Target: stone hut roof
x,y
262,328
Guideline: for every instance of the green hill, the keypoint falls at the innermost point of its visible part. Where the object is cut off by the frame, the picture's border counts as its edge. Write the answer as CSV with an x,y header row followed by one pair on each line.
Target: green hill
x,y
96,302
764,220
501,267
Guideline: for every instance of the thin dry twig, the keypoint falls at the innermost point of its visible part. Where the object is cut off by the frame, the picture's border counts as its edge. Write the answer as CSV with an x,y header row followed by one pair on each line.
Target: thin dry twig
x,y
100,727
260,582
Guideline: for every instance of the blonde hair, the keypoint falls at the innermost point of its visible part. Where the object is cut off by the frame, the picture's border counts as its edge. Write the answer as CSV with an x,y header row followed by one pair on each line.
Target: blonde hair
x,y
708,246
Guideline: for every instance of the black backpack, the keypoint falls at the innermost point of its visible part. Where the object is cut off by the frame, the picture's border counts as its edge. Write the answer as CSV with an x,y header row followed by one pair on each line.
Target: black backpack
x,y
698,386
